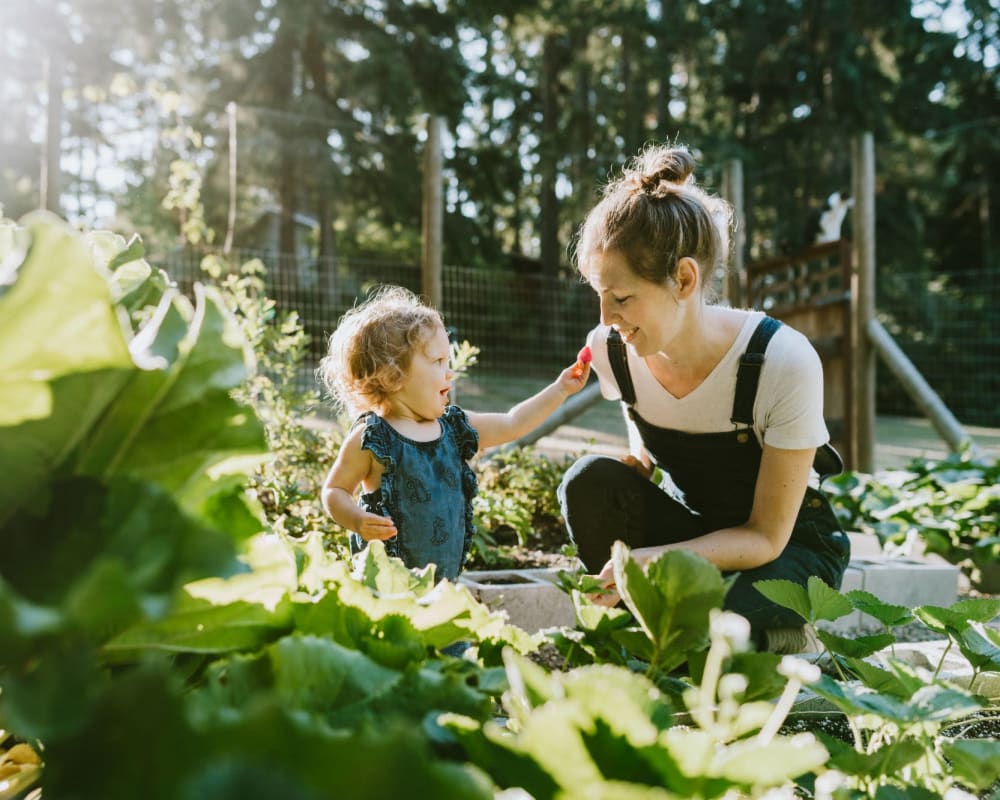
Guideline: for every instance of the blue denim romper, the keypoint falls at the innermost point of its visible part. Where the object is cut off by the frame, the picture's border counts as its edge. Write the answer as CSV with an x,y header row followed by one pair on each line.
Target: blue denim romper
x,y
601,498
427,490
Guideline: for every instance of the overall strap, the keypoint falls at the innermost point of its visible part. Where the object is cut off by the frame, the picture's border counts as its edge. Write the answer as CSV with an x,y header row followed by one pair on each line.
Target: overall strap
x,y
748,375
619,365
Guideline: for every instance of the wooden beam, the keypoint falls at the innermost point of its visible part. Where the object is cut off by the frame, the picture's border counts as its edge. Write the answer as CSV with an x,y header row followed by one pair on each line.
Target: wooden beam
x,y
917,388
433,215
863,290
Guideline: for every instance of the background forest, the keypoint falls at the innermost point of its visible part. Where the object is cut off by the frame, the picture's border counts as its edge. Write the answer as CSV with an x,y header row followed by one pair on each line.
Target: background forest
x,y
188,121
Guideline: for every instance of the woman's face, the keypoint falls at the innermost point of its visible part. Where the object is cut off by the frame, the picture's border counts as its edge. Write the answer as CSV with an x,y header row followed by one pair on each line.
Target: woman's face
x,y
644,313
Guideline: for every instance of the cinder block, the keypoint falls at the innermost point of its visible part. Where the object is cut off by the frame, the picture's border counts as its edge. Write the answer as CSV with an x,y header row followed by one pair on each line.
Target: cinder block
x,y
864,545
909,583
530,597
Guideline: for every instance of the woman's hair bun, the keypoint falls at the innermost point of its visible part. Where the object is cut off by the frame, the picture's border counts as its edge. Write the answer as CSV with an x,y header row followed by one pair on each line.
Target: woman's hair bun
x,y
663,165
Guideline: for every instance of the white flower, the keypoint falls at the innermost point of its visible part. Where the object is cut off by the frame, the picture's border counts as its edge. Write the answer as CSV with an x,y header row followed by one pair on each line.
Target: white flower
x,y
732,627
802,671
828,783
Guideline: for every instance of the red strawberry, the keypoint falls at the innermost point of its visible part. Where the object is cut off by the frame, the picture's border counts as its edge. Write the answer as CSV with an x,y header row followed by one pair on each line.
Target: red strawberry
x,y
583,358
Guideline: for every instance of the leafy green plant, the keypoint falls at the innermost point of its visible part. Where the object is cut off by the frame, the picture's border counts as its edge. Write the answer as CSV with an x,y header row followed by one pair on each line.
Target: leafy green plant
x,y
517,497
604,731
901,719
159,639
136,585
951,505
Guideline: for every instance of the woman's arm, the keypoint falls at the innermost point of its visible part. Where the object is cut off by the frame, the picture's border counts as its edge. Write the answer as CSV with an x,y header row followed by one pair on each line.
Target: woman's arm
x,y
499,428
781,486
351,467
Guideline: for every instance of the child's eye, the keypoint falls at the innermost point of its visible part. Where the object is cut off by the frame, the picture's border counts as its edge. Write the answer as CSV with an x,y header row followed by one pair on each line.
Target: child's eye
x,y
622,300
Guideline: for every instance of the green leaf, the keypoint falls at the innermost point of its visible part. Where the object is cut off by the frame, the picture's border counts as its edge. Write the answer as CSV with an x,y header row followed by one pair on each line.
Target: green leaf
x,y
310,672
975,762
671,598
930,703
886,760
817,601
896,678
786,594
135,524
980,644
889,615
174,423
826,602
57,319
856,646
215,629
978,609
751,763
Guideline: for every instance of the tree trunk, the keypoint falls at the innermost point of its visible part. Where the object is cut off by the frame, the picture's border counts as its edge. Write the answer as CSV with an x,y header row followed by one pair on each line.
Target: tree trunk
x,y
548,155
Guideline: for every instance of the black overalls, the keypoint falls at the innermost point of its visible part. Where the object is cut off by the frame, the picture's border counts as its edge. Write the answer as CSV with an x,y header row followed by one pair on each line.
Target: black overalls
x,y
603,499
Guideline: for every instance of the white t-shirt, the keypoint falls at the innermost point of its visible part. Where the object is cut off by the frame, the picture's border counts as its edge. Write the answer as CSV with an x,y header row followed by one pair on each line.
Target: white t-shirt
x,y
788,409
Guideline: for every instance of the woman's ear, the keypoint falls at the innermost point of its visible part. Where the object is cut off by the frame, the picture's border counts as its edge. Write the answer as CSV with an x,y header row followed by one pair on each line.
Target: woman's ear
x,y
687,278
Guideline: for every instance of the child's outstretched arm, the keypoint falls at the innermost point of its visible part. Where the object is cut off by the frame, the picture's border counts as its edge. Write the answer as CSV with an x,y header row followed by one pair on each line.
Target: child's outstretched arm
x,y
351,467
499,428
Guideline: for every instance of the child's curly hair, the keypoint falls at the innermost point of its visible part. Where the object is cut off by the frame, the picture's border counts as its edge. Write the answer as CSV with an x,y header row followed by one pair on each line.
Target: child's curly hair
x,y
372,348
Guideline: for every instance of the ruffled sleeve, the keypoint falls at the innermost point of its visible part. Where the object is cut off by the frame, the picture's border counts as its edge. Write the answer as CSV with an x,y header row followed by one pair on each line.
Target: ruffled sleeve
x,y
376,438
382,501
468,439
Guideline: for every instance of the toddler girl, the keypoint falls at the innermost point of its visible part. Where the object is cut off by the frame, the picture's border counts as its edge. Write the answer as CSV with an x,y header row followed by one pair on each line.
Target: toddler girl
x,y
389,366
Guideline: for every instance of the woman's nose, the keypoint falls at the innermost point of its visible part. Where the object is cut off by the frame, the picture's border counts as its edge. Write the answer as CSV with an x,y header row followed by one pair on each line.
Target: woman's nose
x,y
606,313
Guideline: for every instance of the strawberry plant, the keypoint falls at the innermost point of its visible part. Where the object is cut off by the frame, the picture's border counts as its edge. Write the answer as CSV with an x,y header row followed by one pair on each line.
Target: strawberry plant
x,y
952,506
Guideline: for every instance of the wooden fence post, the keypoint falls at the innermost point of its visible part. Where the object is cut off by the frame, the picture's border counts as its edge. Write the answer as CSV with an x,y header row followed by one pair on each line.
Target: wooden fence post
x,y
732,191
433,216
863,292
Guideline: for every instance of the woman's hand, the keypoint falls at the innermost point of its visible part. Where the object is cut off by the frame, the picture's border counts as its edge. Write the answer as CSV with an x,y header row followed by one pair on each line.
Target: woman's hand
x,y
640,466
609,597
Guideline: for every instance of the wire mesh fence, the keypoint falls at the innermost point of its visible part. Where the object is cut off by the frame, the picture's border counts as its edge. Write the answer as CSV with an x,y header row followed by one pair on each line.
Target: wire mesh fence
x,y
529,325
526,325
949,327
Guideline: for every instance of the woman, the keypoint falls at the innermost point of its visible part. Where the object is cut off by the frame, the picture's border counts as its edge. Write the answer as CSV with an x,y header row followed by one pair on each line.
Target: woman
x,y
728,403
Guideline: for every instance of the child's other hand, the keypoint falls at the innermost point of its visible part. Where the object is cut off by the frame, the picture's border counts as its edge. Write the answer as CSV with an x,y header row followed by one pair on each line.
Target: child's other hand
x,y
372,526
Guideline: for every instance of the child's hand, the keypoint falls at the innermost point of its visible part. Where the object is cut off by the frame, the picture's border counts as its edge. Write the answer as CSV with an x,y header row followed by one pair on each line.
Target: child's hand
x,y
583,358
372,526
574,378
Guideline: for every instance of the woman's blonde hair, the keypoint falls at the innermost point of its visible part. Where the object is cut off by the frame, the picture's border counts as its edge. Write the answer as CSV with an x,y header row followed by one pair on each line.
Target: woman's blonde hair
x,y
654,214
372,348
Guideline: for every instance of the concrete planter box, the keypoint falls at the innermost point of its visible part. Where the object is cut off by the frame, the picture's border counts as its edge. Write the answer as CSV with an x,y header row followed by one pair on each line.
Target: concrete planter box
x,y
531,597
533,600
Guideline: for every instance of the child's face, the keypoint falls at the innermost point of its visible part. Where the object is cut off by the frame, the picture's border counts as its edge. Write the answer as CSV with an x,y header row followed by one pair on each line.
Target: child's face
x,y
424,393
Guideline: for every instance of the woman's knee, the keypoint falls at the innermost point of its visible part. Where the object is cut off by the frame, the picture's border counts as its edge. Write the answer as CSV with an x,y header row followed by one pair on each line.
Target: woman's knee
x,y
587,474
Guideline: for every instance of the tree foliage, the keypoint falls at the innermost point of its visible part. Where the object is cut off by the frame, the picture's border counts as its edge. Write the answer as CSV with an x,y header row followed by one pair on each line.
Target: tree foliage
x,y
541,99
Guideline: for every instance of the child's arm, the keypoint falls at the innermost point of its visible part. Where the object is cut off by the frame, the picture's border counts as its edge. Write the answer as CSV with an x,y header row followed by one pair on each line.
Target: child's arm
x,y
350,468
499,428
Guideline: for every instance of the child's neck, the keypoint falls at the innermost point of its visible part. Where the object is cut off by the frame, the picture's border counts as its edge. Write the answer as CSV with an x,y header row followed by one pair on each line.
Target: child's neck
x,y
420,430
